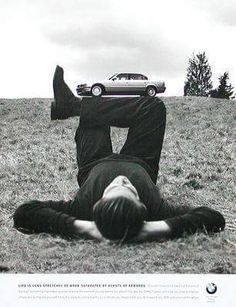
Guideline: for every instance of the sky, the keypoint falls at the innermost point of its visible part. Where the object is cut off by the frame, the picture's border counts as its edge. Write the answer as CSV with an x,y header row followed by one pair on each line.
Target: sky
x,y
94,39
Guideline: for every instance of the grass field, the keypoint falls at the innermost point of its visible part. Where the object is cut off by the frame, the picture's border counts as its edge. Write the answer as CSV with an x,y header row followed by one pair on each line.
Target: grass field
x,y
37,161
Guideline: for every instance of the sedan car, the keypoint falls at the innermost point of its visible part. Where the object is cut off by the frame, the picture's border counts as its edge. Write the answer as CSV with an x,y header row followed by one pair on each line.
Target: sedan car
x,y
123,84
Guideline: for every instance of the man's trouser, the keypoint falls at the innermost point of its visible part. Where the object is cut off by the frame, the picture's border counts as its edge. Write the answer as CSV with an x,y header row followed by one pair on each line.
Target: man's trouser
x,y
145,118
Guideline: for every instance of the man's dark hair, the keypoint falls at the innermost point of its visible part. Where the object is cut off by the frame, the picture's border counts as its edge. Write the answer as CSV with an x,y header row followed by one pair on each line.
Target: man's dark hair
x,y
119,218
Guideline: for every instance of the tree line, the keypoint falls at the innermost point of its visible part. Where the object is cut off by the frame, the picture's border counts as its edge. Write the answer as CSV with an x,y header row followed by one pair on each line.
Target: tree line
x,y
198,81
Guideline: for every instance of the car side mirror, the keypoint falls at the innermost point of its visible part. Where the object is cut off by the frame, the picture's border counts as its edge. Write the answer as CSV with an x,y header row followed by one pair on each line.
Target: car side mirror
x,y
114,79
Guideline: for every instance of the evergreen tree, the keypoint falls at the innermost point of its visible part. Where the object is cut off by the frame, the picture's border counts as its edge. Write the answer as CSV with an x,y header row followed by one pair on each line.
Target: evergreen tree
x,y
224,90
199,74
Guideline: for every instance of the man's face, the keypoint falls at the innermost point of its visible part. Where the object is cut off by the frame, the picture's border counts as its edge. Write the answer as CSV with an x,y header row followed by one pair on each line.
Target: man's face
x,y
121,186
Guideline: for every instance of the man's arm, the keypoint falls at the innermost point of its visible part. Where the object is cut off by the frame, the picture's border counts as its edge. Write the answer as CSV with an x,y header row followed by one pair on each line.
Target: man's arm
x,y
202,219
53,217
44,216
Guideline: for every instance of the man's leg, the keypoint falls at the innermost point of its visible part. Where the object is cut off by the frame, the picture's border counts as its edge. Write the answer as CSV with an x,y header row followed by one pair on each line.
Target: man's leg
x,y
145,137
92,144
145,118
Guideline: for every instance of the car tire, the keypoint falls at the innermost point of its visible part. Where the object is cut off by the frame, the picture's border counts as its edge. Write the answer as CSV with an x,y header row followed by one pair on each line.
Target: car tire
x,y
97,90
151,91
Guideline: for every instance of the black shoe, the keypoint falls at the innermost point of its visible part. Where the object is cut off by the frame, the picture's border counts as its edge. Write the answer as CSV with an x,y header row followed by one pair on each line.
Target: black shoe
x,y
65,103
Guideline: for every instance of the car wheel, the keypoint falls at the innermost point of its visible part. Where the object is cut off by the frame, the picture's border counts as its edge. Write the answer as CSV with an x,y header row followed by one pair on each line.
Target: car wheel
x,y
97,90
151,91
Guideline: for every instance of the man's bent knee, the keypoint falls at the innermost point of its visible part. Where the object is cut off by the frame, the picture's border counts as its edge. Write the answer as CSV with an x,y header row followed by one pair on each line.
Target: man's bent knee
x,y
158,108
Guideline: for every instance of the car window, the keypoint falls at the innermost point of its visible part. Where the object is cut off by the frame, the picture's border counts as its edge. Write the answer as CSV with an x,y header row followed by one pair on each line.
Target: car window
x,y
142,77
137,77
134,77
122,77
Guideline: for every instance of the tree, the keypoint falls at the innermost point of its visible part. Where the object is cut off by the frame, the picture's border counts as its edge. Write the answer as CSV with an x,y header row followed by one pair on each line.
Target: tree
x,y
224,89
199,74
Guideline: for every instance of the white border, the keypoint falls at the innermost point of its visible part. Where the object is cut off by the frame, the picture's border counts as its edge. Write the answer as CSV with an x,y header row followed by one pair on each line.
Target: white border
x,y
27,290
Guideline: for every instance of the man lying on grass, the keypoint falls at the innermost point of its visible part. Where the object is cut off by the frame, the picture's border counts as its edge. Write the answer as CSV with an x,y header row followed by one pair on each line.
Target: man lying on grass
x,y
118,198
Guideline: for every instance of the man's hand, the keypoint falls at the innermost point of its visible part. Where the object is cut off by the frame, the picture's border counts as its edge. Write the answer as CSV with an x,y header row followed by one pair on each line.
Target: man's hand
x,y
153,231
87,229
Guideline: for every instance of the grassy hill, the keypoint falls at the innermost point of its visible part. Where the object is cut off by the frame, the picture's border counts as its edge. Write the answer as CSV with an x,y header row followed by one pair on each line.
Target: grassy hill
x,y
37,161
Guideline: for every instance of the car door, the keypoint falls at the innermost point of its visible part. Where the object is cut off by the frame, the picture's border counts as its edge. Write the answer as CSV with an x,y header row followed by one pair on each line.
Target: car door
x,y
119,85
137,83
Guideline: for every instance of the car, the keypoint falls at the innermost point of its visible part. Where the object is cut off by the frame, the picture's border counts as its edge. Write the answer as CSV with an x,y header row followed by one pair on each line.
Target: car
x,y
123,84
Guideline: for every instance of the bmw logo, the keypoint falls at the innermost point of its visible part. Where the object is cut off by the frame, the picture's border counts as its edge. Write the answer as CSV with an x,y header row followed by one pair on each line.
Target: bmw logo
x,y
211,288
